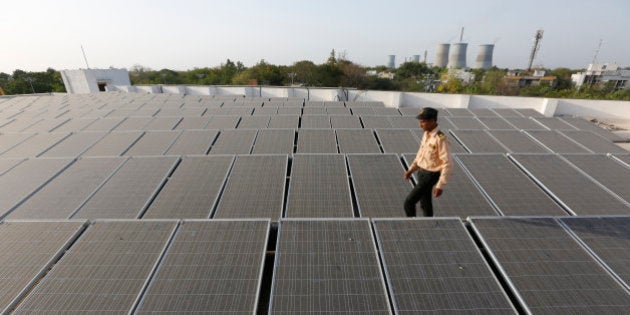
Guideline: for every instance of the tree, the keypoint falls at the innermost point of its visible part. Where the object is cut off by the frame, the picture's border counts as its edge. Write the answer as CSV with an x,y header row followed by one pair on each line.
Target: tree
x,y
412,70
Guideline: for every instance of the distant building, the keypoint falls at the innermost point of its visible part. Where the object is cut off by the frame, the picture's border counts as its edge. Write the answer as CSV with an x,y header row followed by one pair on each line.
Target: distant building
x,y
386,75
525,78
93,80
466,77
603,73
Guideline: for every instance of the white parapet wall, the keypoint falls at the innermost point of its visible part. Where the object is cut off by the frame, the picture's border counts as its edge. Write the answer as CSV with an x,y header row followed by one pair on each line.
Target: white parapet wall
x,y
611,110
95,80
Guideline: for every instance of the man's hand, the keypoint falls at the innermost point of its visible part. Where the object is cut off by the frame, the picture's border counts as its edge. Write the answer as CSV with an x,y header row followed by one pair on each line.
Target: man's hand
x,y
408,174
437,192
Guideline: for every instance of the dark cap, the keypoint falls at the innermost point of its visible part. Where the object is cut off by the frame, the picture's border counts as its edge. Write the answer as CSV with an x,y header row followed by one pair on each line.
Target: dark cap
x,y
427,113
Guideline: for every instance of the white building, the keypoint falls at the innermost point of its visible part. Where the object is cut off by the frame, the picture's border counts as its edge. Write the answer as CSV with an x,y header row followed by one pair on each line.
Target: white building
x,y
603,73
94,80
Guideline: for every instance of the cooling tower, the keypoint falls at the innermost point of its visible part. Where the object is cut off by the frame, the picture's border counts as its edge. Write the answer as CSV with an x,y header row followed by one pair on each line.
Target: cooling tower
x,y
392,62
457,59
484,58
416,58
441,58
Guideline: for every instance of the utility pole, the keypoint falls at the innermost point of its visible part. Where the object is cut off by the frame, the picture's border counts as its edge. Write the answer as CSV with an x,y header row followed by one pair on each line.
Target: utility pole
x,y
535,47
84,57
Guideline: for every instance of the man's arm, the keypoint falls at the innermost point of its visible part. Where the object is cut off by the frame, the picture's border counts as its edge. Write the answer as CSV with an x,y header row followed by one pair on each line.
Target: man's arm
x,y
447,167
414,167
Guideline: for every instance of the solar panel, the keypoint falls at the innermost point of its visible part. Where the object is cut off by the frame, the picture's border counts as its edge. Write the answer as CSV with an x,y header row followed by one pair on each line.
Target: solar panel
x,y
267,110
309,110
255,188
239,141
453,144
129,191
20,124
623,158
284,121
10,140
445,124
315,121
68,191
346,122
508,188
34,145
74,145
483,112
524,123
554,123
409,111
105,270
316,141
133,123
319,187
8,164
593,142
328,267
163,123
403,122
585,125
495,123
563,181
557,142
27,250
223,122
461,197
606,171
211,266
608,238
434,266
529,112
153,143
114,143
104,124
269,141
467,123
374,122
46,125
506,112
547,269
386,198
478,141
193,189
193,122
357,141
386,111
193,142
294,111
517,141
253,122
458,112
361,110
74,124
25,179
338,111
397,140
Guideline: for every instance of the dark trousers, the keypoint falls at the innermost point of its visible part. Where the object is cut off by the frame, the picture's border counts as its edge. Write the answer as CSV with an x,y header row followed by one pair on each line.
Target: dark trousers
x,y
423,193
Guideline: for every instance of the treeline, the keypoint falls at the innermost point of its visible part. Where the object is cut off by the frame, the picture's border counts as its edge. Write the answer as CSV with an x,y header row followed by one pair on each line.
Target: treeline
x,y
337,71
22,82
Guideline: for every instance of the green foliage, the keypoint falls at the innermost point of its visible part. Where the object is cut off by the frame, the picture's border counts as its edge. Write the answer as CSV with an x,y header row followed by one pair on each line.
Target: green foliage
x,y
22,82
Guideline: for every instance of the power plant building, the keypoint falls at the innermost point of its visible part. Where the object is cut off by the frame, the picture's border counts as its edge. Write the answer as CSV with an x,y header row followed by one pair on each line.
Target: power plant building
x,y
457,58
441,56
484,57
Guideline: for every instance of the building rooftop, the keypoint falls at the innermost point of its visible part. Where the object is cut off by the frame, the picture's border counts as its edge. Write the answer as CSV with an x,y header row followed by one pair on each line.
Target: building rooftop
x,y
141,202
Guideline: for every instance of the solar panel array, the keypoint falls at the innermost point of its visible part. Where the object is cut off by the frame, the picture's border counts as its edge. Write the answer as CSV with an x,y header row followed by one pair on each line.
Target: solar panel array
x,y
227,204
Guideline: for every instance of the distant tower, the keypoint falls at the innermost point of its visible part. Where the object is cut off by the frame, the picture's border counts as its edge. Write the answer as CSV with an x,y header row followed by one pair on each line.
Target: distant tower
x,y
392,62
441,57
535,47
416,58
457,59
484,58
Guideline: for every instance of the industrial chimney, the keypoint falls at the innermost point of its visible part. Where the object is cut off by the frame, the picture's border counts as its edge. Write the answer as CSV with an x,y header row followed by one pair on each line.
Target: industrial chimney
x,y
441,57
484,58
416,58
392,62
457,59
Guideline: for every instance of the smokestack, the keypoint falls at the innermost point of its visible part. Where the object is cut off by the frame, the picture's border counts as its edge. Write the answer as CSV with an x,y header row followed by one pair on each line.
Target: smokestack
x,y
392,62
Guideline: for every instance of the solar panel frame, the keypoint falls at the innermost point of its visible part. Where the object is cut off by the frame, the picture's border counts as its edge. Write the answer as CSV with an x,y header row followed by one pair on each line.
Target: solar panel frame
x,y
319,187
545,260
316,141
557,142
113,144
104,124
458,112
128,193
554,123
75,144
478,141
153,143
193,123
8,164
253,183
397,140
320,267
516,141
467,123
254,122
585,125
510,190
193,190
132,123
357,141
284,122
345,122
375,122
223,122
234,141
420,266
612,176
171,264
386,169
495,123
560,180
38,229
163,123
35,145
315,122
525,123
127,243
193,142
274,141
593,142
11,140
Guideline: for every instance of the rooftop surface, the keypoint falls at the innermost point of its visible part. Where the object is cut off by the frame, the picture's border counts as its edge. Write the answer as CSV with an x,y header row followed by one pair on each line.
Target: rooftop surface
x,y
127,202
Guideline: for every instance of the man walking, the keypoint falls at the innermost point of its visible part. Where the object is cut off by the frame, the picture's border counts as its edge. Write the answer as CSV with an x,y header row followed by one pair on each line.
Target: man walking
x,y
433,163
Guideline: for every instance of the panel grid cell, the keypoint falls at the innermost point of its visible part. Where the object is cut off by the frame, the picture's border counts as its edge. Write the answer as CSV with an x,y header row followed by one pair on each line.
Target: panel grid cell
x,y
114,143
434,266
478,141
557,142
548,269
517,141
316,141
153,143
274,141
238,141
329,267
398,140
193,142
357,141
593,142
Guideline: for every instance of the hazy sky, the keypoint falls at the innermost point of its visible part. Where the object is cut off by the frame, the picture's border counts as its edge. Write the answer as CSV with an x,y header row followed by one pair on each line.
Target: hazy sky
x,y
185,34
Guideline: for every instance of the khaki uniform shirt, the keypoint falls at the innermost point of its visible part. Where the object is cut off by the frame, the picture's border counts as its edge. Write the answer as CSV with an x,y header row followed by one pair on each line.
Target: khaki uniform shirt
x,y
434,155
